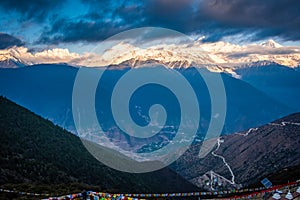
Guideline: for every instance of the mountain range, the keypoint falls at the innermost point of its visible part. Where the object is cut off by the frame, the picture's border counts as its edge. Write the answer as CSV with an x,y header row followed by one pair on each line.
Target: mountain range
x,y
261,82
256,92
47,91
196,53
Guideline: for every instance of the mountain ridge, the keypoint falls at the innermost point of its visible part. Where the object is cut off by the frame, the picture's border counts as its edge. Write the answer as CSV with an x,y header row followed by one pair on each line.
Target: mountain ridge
x,y
35,151
250,156
196,54
38,87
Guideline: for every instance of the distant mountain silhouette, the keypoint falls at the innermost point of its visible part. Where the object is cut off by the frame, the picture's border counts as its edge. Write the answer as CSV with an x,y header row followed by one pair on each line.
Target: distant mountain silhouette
x,y
47,90
278,81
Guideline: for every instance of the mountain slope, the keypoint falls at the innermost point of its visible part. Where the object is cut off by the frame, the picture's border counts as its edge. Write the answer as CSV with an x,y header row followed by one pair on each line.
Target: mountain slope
x,y
10,63
278,81
43,89
34,151
251,155
47,91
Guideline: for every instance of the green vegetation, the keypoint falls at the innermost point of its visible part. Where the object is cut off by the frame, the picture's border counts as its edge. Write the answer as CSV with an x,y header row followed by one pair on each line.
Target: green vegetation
x,y
37,156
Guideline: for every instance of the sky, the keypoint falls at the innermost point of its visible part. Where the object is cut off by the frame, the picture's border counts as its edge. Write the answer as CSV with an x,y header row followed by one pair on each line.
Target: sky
x,y
78,24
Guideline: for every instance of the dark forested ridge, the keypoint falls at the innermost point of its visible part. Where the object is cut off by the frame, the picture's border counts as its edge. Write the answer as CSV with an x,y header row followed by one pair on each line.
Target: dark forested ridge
x,y
37,155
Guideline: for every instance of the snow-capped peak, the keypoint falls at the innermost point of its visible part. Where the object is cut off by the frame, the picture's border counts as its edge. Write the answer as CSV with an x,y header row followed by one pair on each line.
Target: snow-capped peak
x,y
21,56
271,43
9,59
204,54
198,54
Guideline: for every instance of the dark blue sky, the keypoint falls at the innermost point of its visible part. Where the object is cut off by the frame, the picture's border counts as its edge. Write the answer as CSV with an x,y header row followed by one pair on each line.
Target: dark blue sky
x,y
38,23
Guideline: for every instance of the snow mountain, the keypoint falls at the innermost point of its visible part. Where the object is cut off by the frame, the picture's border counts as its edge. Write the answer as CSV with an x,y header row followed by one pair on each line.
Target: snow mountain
x,y
216,56
198,54
8,60
271,43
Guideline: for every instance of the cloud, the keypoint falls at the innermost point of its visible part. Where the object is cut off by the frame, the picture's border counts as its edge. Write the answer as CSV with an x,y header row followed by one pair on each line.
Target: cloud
x,y
215,19
270,18
7,41
31,9
104,19
174,14
64,30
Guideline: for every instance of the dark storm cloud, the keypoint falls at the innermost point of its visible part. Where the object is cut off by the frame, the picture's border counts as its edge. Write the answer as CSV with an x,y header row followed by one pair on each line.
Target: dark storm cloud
x,y
7,41
64,30
270,18
174,14
213,18
36,10
104,19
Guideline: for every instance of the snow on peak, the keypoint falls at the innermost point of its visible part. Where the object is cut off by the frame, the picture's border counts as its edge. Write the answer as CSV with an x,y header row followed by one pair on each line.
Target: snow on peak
x,y
218,53
23,56
227,70
221,54
271,43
